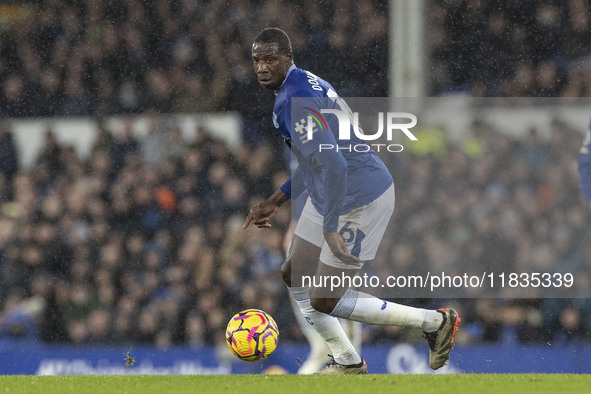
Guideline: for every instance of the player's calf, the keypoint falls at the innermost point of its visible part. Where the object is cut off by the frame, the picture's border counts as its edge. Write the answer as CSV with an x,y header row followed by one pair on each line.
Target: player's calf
x,y
324,305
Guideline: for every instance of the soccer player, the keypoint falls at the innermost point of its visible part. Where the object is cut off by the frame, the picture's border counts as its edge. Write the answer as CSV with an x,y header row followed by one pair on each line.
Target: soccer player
x,y
350,194
585,167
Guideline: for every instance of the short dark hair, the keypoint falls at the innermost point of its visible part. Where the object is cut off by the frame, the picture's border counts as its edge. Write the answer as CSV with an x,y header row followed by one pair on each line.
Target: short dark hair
x,y
274,35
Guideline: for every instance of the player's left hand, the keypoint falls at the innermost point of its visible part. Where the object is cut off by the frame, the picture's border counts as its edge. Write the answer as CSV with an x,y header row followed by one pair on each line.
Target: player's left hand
x,y
337,244
261,214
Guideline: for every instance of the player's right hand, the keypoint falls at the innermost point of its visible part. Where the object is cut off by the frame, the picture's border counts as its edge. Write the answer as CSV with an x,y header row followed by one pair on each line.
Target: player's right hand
x,y
336,243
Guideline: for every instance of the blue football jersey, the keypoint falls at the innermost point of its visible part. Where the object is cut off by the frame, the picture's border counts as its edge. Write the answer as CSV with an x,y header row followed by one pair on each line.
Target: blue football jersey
x,y
585,167
337,181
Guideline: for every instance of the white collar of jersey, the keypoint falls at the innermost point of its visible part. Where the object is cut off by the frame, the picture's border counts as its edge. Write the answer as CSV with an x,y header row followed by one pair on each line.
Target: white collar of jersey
x,y
291,68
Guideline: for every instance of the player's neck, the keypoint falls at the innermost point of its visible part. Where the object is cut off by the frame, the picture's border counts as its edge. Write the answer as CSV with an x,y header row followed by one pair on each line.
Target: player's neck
x,y
289,70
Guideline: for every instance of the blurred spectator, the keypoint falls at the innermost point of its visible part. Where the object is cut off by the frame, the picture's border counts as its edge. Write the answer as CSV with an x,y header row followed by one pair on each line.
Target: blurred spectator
x,y
124,144
18,318
570,326
8,161
49,159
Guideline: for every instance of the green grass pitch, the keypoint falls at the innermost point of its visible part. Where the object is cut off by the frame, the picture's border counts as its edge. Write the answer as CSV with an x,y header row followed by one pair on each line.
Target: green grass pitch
x,y
259,384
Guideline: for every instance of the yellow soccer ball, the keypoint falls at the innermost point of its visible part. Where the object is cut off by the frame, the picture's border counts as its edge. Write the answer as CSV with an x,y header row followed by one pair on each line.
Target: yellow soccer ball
x,y
252,335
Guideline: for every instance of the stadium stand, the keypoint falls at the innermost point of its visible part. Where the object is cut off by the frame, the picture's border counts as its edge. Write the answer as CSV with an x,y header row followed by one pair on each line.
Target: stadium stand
x,y
144,244
510,48
117,249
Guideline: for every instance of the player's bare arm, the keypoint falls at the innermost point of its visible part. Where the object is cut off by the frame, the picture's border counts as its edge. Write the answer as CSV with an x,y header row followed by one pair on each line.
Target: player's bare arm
x,y
262,213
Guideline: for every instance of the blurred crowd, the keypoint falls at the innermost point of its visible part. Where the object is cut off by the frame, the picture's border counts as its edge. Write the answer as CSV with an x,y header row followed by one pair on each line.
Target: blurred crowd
x,y
98,57
120,248
142,242
503,48
494,203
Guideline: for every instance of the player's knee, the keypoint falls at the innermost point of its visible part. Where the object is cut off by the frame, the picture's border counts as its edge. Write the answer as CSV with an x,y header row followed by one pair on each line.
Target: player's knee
x,y
324,305
286,272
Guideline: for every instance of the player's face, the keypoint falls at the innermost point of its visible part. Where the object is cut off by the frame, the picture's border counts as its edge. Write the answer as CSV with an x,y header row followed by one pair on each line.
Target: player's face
x,y
269,65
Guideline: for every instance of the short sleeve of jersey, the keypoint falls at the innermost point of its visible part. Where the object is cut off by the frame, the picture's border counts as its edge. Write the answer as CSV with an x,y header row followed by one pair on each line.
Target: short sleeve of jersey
x,y
308,126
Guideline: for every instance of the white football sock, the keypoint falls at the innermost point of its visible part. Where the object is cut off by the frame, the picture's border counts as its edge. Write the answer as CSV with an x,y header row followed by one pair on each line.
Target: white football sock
x,y
318,348
354,332
328,327
368,309
433,320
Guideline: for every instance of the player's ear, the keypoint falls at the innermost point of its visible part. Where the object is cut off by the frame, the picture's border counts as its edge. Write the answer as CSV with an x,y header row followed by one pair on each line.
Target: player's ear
x,y
289,57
